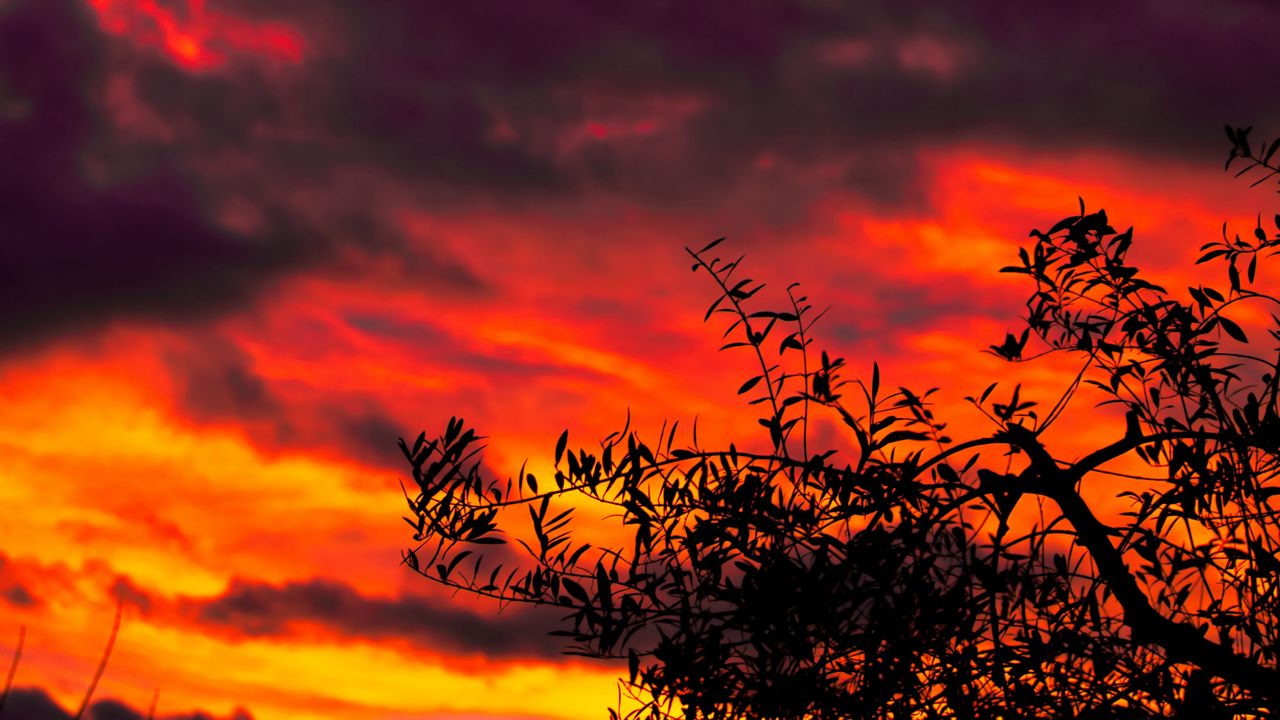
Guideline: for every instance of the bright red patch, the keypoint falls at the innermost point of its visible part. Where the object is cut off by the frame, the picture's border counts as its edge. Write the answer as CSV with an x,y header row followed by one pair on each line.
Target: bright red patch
x,y
196,38
599,131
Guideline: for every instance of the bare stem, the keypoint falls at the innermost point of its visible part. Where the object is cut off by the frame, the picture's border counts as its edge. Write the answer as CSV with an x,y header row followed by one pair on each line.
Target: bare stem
x,y
13,666
102,665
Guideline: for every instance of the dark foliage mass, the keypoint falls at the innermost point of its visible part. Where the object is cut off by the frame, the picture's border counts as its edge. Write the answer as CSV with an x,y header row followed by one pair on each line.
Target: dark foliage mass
x,y
916,574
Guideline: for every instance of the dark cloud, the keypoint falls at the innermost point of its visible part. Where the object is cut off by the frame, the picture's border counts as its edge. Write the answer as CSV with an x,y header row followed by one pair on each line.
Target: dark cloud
x,y
77,251
514,107
125,591
14,589
218,382
487,102
18,596
886,313
98,225
371,439
887,181
253,609
433,85
36,704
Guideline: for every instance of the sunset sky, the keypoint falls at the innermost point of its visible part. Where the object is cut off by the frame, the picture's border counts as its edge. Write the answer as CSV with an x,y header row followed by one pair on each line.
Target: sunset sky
x,y
246,244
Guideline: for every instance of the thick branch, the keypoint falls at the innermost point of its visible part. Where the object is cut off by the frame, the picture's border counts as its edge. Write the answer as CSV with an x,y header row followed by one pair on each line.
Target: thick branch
x,y
1182,642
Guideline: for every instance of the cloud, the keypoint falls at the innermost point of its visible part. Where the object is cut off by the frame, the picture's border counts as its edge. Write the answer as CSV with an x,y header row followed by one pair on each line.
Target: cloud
x,y
15,585
253,609
144,187
105,221
371,438
250,609
197,39
217,381
18,596
496,98
338,383
671,103
78,251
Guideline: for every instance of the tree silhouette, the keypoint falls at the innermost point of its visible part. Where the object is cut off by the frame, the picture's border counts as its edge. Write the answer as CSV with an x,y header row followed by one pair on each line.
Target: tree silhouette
x,y
917,575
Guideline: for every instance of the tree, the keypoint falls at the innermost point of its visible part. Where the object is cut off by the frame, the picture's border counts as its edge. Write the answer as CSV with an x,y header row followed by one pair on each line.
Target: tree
x,y
925,576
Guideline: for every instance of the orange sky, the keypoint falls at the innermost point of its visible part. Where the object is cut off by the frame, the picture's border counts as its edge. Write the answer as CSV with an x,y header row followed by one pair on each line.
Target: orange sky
x,y
201,406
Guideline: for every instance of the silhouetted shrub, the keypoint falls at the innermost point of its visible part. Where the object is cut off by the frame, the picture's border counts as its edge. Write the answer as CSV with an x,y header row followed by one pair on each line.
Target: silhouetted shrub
x,y
927,576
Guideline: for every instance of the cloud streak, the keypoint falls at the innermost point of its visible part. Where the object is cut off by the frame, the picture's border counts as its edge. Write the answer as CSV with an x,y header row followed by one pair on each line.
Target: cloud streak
x,y
249,609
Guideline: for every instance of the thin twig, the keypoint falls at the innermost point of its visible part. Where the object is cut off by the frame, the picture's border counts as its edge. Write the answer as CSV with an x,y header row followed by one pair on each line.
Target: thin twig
x,y
13,666
155,698
102,665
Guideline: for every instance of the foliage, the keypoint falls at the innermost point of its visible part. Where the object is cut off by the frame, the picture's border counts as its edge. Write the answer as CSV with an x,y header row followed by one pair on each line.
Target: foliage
x,y
926,576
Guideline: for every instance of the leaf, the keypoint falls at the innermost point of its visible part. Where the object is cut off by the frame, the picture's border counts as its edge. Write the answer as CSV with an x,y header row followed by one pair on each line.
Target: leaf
x,y
711,244
561,444
752,382
712,309
1060,564
457,559
1067,222
604,587
900,435
1211,255
986,393
948,473
577,554
575,589
1232,329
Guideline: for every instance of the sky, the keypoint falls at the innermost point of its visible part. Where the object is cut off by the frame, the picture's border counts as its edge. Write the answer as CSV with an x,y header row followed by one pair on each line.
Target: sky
x,y
245,245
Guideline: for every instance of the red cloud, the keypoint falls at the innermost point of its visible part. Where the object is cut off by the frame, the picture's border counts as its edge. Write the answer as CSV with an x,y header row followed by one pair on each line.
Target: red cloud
x,y
196,38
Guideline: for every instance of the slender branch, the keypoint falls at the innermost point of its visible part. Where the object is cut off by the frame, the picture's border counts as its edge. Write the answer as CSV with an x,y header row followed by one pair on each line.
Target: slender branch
x,y
102,664
155,699
13,666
